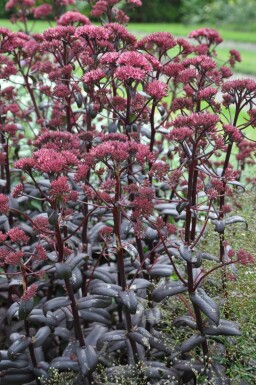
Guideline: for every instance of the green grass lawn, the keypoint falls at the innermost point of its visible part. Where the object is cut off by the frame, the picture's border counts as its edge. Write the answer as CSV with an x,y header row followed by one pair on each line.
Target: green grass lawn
x,y
248,63
183,30
176,29
247,66
37,27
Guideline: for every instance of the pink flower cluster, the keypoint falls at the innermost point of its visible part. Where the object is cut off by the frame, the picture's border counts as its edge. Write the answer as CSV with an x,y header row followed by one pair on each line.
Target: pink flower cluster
x,y
161,40
29,293
17,3
42,11
119,151
157,89
208,35
132,66
73,17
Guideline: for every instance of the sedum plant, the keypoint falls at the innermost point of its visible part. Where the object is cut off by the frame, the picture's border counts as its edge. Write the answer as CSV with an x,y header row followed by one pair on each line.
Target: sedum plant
x,y
117,157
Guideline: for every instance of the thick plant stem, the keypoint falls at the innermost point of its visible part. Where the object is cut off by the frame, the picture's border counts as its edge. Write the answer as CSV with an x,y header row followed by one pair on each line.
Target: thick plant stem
x,y
31,351
120,261
121,276
190,226
77,325
222,199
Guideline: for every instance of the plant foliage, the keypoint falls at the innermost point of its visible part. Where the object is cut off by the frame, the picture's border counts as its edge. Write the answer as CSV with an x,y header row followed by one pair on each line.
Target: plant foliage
x,y
117,157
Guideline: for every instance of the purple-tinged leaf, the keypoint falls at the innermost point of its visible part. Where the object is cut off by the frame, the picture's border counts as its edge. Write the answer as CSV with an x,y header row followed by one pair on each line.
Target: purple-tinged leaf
x,y
87,359
8,364
78,260
187,365
76,279
104,276
129,300
55,303
185,321
187,254
137,318
160,270
12,311
160,372
225,328
53,217
112,127
139,283
192,342
41,336
237,184
106,289
17,347
181,206
95,334
159,345
79,99
206,305
209,257
62,332
236,219
93,301
131,250
140,338
64,363
37,315
115,335
96,315
63,270
153,316
17,379
39,354
167,290
219,225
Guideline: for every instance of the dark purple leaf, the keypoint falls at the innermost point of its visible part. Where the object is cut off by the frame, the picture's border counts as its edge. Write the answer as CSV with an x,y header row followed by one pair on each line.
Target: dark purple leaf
x,y
115,335
96,315
55,303
129,300
63,270
64,363
17,379
162,270
167,290
19,346
87,359
206,305
41,336
93,301
8,364
225,328
12,311
192,342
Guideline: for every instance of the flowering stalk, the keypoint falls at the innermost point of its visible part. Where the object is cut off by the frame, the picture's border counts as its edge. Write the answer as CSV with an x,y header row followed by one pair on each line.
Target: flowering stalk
x,y
120,259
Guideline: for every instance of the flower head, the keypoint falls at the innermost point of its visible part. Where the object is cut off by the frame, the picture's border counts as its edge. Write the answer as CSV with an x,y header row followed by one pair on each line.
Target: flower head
x,y
29,293
208,35
49,161
73,17
93,76
60,189
17,235
244,257
157,89
158,40
42,11
132,65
